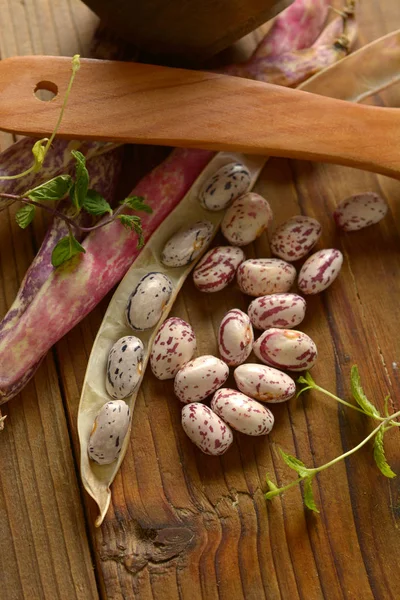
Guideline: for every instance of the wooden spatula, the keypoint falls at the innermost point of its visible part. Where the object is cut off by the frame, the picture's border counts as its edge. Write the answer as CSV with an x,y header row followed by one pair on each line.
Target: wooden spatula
x,y
129,102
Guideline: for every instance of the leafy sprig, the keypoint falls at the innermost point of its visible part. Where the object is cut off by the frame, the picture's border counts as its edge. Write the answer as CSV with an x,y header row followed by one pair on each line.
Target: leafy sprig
x,y
366,407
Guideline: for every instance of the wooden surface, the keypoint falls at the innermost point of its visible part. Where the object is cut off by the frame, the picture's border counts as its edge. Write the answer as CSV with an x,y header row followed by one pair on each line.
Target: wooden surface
x,y
183,525
242,115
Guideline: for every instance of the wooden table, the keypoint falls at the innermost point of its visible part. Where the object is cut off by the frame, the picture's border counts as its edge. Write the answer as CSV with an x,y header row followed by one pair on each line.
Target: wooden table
x,y
183,525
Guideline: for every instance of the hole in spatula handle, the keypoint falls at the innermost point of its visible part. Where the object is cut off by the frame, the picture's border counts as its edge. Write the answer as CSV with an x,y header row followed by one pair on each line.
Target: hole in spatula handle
x,y
46,90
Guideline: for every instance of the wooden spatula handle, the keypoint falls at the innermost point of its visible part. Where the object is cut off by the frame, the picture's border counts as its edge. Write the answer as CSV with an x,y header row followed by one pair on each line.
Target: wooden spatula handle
x,y
129,102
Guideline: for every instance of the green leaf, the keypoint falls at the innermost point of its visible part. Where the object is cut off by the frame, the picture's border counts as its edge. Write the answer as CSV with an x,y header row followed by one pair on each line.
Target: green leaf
x,y
137,203
54,189
39,153
359,395
80,187
379,456
95,204
295,464
25,215
309,496
65,249
133,222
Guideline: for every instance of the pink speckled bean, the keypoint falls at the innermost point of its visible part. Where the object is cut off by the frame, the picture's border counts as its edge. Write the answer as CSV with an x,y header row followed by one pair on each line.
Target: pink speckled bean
x,y
173,347
227,184
246,219
295,238
242,413
320,270
205,429
286,349
277,310
359,211
264,383
235,337
262,276
200,378
217,268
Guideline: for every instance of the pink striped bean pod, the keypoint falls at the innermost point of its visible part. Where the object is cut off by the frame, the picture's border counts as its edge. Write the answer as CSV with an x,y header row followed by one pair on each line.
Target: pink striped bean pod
x,y
277,310
242,413
235,337
320,270
246,219
205,429
200,378
262,276
295,238
217,268
359,211
173,347
286,349
264,383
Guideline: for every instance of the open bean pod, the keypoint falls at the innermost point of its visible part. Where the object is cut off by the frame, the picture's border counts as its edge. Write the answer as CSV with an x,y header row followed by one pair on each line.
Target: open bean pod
x,y
98,478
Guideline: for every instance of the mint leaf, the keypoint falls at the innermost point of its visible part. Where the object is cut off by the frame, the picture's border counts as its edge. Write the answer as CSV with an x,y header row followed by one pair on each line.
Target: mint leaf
x,y
137,203
25,215
54,189
95,204
134,223
295,464
309,496
359,395
65,249
379,456
80,188
39,153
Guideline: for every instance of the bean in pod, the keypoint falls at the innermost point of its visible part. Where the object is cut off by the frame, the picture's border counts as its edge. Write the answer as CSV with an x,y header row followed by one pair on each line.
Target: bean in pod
x,y
206,429
109,430
200,378
246,219
286,349
320,270
242,413
235,337
295,237
264,383
147,302
227,184
359,211
217,268
262,276
124,367
186,245
277,310
174,345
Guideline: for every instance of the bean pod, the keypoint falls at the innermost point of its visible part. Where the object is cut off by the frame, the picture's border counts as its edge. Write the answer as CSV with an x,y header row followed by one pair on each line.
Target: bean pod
x,y
148,300
235,337
359,211
124,367
186,245
217,268
295,238
227,184
320,270
264,383
242,413
277,310
246,219
262,276
200,378
286,349
205,429
109,430
174,345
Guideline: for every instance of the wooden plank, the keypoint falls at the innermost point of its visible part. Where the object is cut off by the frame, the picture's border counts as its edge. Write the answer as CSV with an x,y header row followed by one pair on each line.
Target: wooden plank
x,y
44,548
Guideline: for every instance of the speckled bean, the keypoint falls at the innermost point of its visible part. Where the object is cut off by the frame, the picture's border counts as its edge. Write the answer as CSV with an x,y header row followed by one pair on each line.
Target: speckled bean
x,y
227,184
109,430
186,245
264,383
147,301
217,268
235,337
295,238
173,347
277,310
205,429
320,270
359,211
262,276
124,367
242,413
286,349
200,378
246,219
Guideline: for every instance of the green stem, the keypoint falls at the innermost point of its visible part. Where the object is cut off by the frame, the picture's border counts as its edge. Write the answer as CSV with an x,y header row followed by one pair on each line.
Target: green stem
x,y
283,489
340,400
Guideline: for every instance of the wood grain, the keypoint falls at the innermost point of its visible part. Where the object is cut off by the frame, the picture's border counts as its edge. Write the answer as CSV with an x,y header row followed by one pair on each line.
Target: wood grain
x,y
184,525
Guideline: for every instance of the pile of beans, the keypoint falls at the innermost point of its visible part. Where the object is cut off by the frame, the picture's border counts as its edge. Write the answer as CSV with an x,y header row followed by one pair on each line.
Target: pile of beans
x,y
274,310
